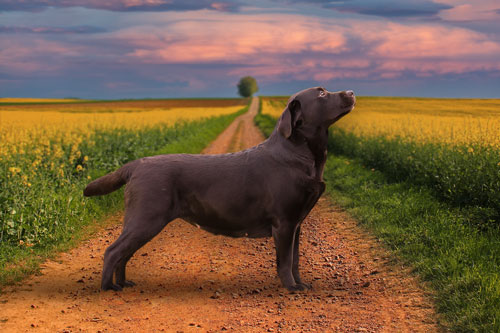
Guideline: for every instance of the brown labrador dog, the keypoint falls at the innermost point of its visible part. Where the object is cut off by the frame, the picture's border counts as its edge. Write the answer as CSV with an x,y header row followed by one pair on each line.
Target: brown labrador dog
x,y
263,191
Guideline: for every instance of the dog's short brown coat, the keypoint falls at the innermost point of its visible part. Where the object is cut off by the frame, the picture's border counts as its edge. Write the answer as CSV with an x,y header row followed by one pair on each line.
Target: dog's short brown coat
x,y
263,191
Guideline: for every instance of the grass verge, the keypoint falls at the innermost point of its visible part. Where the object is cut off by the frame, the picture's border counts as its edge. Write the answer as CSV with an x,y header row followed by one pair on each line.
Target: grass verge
x,y
264,122
460,261
52,215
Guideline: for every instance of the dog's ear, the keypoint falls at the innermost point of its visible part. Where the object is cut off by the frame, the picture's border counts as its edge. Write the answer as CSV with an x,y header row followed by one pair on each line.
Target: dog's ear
x,y
291,118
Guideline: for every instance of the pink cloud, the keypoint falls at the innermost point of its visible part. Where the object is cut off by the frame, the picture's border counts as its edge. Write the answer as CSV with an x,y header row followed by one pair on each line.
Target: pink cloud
x,y
26,56
424,41
229,38
425,49
397,68
271,47
465,10
319,70
119,85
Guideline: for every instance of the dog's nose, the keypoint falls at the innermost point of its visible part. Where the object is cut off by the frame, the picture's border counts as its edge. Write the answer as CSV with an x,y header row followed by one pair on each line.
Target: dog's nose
x,y
347,97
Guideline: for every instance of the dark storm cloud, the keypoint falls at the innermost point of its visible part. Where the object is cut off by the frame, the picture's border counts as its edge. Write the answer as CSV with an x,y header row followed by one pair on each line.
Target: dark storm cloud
x,y
383,8
52,30
390,9
120,5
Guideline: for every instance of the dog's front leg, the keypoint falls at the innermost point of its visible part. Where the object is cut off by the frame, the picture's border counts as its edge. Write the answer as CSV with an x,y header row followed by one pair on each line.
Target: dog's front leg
x,y
295,265
284,235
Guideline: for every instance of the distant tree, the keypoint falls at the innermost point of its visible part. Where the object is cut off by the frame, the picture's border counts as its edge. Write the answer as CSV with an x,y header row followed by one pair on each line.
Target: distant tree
x,y
247,86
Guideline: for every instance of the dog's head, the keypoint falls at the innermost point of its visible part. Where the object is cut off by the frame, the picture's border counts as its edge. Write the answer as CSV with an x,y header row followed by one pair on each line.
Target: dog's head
x,y
314,108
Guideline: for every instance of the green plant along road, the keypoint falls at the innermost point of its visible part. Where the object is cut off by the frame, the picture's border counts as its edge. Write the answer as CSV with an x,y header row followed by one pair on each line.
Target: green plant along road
x,y
52,216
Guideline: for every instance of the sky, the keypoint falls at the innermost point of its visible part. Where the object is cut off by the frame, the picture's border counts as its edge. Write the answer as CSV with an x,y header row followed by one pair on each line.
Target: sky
x,y
184,48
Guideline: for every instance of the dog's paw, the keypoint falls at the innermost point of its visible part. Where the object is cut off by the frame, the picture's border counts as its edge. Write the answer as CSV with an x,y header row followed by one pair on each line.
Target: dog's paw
x,y
127,283
305,285
111,286
296,287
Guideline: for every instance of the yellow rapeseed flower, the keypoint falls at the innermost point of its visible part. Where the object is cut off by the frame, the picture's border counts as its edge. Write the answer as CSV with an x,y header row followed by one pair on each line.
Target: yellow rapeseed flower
x,y
14,170
453,121
52,126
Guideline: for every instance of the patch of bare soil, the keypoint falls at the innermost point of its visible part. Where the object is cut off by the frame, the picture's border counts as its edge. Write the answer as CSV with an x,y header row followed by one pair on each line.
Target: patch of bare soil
x,y
191,281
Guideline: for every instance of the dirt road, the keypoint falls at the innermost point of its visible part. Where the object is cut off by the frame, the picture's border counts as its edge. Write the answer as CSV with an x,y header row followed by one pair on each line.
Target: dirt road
x,y
191,281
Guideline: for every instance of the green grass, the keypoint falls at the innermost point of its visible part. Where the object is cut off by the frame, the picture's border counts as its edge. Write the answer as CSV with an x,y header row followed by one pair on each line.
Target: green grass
x,y
435,207
52,215
264,122
441,242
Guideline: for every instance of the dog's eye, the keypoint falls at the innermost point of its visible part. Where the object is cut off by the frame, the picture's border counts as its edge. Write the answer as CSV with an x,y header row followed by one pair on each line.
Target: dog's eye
x,y
322,93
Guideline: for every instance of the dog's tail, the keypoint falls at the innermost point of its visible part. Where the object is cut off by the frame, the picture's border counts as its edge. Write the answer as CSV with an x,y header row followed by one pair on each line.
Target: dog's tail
x,y
110,182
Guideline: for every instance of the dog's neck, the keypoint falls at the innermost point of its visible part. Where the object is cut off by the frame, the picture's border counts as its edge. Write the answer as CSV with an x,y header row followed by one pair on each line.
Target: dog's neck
x,y
309,151
317,145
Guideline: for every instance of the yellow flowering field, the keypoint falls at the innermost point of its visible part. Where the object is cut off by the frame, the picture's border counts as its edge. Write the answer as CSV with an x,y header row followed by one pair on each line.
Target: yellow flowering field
x,y
72,123
49,152
273,106
454,121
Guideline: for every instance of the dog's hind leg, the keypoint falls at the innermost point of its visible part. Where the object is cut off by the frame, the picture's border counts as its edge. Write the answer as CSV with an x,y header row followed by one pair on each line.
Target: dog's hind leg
x,y
136,233
111,258
120,273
